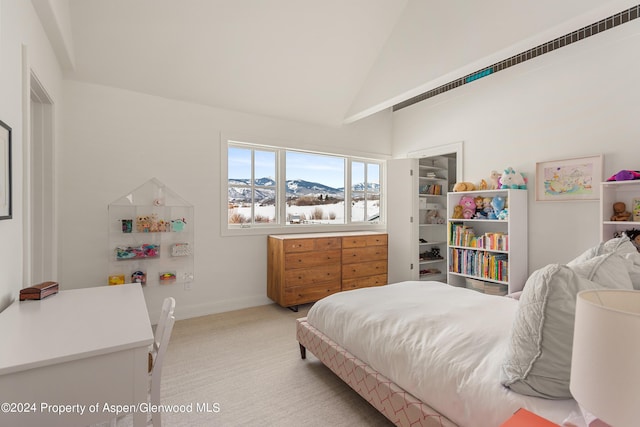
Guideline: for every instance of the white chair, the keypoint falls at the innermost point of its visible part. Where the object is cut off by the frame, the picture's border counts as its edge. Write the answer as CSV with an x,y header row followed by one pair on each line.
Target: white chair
x,y
156,369
168,306
156,357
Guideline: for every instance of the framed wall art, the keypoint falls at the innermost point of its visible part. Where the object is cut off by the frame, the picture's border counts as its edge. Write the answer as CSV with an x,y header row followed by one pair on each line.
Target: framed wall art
x,y
570,179
5,171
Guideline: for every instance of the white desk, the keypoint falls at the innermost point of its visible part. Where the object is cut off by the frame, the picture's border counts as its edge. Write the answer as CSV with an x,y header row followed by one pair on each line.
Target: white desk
x,y
79,347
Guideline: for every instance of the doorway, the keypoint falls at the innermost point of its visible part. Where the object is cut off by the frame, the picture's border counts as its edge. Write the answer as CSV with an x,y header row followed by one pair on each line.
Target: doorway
x,y
40,213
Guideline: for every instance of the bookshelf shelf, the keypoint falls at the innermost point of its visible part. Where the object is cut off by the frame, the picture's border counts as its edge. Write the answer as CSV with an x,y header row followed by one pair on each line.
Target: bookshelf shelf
x,y
617,191
488,250
498,251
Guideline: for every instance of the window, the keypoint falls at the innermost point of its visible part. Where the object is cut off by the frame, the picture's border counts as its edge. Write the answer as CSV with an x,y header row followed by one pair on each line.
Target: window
x,y
279,187
314,188
365,191
251,186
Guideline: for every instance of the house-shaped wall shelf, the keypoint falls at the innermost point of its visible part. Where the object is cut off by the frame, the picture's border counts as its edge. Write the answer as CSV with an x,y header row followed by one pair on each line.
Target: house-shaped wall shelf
x,y
151,237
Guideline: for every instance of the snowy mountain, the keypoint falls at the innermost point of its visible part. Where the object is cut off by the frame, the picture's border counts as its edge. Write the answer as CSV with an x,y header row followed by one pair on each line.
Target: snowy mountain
x,y
295,188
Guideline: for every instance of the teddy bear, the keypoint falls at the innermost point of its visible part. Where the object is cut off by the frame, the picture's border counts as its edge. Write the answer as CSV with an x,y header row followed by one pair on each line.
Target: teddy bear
x,y
464,186
620,212
457,212
468,207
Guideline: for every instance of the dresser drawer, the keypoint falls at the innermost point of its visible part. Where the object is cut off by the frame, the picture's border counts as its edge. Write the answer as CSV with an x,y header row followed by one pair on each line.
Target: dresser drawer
x,y
362,241
369,253
374,268
309,245
311,276
364,282
304,294
311,259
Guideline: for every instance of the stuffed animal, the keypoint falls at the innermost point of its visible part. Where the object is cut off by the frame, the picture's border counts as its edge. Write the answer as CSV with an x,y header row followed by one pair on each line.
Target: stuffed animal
x,y
620,212
503,214
625,175
480,214
486,206
464,186
457,212
494,180
468,207
497,203
512,179
483,185
433,217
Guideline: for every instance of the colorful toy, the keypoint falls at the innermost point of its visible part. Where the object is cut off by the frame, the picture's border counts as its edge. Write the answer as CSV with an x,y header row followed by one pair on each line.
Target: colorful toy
x,y
497,203
480,213
468,207
512,179
486,206
178,224
457,212
625,175
139,277
464,186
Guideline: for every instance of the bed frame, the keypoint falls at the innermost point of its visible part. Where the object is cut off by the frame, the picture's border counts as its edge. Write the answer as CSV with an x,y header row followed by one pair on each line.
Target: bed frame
x,y
392,401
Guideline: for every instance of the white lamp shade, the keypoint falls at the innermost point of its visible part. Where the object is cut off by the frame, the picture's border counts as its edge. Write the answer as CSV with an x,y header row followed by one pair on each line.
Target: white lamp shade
x,y
605,365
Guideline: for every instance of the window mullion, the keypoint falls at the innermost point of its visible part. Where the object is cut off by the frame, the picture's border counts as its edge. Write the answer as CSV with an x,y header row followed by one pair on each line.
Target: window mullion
x,y
281,187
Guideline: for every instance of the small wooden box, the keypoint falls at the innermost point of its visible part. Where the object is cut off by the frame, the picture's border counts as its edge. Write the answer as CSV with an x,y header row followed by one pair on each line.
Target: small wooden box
x,y
40,291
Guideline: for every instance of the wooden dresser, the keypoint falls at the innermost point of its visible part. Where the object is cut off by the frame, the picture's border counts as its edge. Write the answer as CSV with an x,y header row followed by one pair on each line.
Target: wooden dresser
x,y
303,268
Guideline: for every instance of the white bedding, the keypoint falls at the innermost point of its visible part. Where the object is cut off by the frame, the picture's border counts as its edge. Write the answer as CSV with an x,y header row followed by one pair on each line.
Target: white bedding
x,y
444,345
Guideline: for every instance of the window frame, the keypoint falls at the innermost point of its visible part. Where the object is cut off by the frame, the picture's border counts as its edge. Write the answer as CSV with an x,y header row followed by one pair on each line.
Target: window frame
x,y
280,226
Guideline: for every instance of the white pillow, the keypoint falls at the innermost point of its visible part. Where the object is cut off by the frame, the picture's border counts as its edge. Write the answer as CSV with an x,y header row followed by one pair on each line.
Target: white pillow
x,y
623,247
538,360
610,270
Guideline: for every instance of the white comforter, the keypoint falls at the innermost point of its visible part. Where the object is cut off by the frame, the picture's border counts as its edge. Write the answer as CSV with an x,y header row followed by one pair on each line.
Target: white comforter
x,y
444,345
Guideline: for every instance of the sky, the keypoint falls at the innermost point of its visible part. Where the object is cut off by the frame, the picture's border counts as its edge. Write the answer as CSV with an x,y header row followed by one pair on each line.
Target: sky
x,y
327,170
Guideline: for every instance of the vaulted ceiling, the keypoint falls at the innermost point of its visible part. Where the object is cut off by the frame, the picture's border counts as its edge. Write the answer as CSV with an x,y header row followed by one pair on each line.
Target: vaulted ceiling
x,y
314,61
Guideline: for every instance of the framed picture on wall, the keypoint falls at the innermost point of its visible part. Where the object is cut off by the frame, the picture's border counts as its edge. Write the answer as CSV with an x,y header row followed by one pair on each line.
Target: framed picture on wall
x,y
569,179
5,171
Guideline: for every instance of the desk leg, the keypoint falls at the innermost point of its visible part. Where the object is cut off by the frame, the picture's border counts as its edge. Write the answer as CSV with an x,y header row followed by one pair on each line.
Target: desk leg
x,y
140,384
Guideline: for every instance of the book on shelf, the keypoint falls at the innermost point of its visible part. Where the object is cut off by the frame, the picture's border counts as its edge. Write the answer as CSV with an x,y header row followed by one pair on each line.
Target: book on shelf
x,y
484,265
431,189
635,204
464,235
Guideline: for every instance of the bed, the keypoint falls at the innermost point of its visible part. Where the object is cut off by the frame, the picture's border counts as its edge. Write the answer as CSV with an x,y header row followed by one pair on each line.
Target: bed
x,y
441,359
431,354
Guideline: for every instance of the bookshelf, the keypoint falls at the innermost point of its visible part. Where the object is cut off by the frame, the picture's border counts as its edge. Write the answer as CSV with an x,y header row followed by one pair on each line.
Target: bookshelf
x,y
489,255
433,185
610,193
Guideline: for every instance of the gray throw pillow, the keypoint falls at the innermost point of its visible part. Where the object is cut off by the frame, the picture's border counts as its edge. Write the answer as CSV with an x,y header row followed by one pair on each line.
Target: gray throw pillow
x,y
538,360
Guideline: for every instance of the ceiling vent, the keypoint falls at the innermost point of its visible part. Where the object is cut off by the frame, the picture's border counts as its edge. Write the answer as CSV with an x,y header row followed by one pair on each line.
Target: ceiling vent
x,y
575,36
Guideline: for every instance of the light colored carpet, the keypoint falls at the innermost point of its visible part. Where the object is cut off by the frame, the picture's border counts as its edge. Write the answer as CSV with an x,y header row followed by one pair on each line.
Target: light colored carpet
x,y
247,363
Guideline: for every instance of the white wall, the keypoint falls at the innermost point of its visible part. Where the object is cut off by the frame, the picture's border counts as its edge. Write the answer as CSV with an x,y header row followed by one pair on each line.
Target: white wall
x,y
115,140
19,25
578,101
